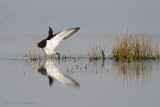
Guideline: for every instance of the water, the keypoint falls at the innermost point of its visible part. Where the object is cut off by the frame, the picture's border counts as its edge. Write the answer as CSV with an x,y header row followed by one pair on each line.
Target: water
x,y
94,83
90,83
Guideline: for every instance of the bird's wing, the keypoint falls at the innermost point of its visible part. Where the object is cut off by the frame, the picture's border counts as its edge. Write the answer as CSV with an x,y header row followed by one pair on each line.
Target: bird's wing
x,y
50,34
59,37
53,72
61,77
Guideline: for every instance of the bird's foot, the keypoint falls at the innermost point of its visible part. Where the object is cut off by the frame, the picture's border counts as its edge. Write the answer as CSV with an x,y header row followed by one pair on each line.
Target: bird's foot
x,y
45,57
58,55
36,68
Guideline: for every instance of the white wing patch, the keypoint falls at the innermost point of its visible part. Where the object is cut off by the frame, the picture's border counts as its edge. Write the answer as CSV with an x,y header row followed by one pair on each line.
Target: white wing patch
x,y
55,41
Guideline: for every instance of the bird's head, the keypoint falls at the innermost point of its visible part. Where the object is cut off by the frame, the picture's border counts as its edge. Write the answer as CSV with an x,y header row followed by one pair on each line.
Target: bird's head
x,y
41,44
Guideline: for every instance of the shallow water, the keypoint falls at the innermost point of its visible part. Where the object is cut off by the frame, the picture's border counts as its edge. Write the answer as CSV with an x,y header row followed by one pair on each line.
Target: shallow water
x,y
91,83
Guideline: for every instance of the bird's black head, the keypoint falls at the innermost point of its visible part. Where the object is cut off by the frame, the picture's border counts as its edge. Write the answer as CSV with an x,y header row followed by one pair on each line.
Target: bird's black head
x,y
42,44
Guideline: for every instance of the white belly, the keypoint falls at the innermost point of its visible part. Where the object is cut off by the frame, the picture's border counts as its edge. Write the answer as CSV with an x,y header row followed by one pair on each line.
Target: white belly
x,y
48,50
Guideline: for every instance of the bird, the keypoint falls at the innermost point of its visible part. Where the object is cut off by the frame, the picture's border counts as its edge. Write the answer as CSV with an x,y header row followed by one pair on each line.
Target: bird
x,y
50,69
53,40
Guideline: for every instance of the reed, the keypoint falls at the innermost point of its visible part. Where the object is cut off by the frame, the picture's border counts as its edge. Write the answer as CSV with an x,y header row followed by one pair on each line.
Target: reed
x,y
32,56
96,52
128,48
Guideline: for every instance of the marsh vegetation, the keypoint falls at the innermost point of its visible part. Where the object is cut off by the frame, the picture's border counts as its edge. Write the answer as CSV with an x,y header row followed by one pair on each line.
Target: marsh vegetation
x,y
129,48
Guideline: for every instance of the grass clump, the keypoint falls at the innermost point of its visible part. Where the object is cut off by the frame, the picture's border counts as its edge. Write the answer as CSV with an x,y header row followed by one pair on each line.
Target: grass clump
x,y
32,56
128,49
96,53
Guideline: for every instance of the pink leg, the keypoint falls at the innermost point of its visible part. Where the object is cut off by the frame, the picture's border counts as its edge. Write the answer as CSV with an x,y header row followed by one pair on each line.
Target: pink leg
x,y
36,68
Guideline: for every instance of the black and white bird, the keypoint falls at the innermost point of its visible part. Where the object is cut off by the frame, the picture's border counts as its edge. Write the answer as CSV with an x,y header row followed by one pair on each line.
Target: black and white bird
x,y
49,69
53,40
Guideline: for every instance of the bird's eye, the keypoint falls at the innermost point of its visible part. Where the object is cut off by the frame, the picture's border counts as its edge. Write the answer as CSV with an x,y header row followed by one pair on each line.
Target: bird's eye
x,y
42,42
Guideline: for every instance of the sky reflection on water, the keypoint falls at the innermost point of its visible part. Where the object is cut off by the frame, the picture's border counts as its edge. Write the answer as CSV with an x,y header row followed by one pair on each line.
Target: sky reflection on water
x,y
114,81
128,73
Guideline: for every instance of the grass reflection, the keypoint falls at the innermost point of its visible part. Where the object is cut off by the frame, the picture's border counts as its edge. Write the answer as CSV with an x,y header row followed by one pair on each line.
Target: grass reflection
x,y
129,72
135,71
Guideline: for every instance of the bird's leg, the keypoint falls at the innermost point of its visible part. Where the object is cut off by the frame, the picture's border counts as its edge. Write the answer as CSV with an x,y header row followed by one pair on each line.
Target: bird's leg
x,y
36,68
58,55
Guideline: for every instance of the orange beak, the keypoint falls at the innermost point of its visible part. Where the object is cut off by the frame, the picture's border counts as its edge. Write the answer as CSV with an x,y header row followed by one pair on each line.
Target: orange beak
x,y
36,68
35,47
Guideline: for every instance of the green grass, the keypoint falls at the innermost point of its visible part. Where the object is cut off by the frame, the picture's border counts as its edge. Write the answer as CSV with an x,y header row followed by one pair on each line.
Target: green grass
x,y
96,52
128,48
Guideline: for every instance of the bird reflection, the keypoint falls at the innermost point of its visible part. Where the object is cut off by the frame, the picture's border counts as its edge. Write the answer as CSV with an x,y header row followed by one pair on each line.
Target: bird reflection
x,y
49,69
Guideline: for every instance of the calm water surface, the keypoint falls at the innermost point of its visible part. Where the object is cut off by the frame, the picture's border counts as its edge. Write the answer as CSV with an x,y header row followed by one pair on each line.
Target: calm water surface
x,y
100,83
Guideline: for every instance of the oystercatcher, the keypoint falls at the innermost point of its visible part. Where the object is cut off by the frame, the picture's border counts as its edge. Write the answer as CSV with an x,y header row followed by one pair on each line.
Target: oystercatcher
x,y
49,69
52,41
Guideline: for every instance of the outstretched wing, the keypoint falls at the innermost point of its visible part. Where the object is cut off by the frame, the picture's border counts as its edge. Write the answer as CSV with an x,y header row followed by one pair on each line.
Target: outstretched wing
x,y
59,37
50,34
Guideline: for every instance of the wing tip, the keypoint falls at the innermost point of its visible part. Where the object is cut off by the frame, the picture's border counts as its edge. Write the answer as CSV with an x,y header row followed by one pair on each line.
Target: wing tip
x,y
76,28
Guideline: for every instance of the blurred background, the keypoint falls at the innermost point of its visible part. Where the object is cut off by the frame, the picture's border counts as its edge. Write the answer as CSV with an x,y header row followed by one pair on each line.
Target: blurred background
x,y
93,16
